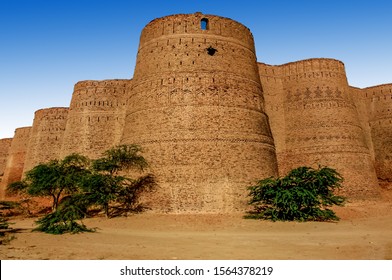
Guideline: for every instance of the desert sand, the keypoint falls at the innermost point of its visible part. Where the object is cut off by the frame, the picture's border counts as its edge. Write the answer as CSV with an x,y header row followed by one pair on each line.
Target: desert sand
x,y
364,232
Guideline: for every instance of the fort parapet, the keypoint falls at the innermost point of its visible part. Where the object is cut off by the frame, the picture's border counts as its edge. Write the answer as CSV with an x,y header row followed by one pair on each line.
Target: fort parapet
x,y
212,120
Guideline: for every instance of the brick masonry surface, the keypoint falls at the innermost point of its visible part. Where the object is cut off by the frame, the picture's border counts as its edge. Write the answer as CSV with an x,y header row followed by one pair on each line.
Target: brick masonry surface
x,y
211,119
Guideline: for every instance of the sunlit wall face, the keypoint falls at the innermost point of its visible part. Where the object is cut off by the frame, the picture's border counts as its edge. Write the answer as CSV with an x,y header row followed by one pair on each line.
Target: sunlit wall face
x,y
48,46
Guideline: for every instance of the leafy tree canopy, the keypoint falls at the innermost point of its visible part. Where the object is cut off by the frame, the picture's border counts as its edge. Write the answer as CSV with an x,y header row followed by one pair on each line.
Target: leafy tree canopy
x,y
303,195
55,178
76,183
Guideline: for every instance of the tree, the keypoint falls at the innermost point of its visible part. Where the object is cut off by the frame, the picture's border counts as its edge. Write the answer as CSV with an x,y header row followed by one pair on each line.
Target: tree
x,y
76,184
54,179
121,157
303,195
104,185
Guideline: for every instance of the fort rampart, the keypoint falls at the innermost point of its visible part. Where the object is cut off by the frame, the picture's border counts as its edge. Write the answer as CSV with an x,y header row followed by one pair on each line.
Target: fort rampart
x,y
211,119
379,104
46,136
5,145
196,107
16,158
321,123
95,118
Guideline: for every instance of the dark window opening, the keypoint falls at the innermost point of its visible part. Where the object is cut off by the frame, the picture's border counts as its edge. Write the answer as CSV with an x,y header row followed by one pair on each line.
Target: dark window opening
x,y
204,24
211,51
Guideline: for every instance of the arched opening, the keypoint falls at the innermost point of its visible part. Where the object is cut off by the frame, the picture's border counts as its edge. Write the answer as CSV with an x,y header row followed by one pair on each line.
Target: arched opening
x,y
204,24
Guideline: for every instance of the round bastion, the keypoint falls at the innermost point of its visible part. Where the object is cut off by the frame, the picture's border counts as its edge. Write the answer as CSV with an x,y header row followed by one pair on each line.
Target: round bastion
x,y
95,118
196,107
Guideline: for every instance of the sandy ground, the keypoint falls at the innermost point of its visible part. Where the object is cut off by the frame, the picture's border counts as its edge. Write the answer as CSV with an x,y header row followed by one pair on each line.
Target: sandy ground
x,y
364,232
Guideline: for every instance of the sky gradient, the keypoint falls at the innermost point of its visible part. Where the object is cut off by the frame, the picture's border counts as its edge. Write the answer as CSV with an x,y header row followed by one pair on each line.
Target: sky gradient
x,y
48,46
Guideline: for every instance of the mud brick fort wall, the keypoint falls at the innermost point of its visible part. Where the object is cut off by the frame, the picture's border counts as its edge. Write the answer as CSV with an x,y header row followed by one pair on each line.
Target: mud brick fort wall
x,y
379,105
5,145
315,121
95,118
13,170
211,119
46,136
196,107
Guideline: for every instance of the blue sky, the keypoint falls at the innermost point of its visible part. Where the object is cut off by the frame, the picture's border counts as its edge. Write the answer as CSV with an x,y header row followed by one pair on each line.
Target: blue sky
x,y
48,46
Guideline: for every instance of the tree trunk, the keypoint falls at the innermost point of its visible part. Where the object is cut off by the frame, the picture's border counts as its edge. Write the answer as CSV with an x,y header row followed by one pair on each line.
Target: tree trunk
x,y
55,203
106,208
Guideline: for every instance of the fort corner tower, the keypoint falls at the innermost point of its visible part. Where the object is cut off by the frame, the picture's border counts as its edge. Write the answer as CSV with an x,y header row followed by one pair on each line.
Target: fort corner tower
x,y
196,107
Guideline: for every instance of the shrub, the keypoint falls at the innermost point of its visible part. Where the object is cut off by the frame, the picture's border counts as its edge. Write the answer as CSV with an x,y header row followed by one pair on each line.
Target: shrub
x,y
303,195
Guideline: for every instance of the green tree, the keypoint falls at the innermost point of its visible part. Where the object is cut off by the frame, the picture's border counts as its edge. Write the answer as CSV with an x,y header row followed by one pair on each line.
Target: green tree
x,y
104,185
121,157
54,179
71,209
76,184
303,195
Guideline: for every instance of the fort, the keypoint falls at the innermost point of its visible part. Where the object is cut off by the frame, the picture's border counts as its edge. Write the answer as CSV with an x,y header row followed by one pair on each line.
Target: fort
x,y
211,119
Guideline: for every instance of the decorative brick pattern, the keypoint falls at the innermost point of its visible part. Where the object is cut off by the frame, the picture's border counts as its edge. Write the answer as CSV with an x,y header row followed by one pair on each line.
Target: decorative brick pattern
x,y
321,122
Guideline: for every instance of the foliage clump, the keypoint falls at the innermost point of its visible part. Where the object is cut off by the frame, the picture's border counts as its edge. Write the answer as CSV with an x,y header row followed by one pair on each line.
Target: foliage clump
x,y
53,179
303,195
65,218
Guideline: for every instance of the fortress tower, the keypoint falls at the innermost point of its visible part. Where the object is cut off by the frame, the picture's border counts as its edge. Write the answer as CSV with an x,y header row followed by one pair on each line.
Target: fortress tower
x,y
46,136
5,145
379,100
95,118
14,168
321,124
196,107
